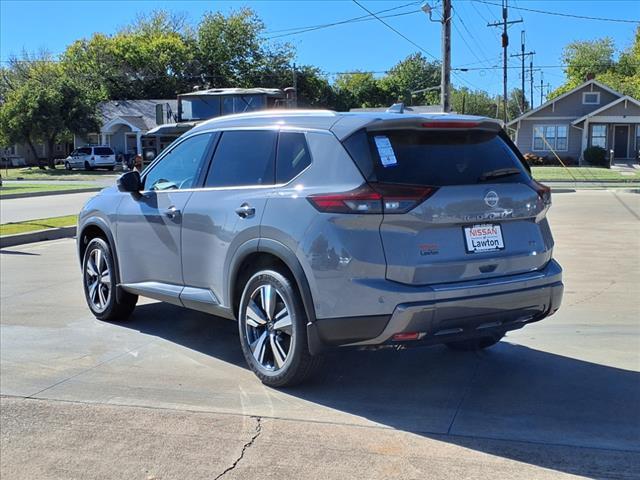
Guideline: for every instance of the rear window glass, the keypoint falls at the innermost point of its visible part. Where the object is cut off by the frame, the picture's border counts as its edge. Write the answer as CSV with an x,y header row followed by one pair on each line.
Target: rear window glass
x,y
293,156
102,151
435,158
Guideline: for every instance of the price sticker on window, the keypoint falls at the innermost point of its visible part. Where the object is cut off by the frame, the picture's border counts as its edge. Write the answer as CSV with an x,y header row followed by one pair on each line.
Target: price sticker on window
x,y
385,150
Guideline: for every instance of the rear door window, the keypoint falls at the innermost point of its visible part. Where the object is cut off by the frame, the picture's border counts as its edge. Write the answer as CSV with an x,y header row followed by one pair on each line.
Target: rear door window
x,y
103,151
244,158
293,156
436,158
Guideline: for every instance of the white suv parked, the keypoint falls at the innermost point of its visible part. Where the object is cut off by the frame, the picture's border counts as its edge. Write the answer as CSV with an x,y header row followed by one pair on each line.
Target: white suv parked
x,y
89,158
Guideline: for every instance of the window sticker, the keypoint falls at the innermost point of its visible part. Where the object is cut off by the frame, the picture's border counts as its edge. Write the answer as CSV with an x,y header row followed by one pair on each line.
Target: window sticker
x,y
385,150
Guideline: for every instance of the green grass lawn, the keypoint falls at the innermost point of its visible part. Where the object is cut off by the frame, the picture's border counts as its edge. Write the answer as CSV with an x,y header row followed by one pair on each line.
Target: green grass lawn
x,y
40,224
40,187
59,173
592,174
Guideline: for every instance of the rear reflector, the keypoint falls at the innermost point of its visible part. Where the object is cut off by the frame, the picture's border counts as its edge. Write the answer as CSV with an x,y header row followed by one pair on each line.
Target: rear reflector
x,y
450,124
403,337
375,198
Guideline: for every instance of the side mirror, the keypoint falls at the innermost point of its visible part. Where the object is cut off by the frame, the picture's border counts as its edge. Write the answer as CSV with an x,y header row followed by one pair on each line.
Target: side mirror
x,y
130,182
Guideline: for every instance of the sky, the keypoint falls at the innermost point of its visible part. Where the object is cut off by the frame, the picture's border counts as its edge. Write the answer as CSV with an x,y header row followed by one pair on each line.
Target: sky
x,y
368,45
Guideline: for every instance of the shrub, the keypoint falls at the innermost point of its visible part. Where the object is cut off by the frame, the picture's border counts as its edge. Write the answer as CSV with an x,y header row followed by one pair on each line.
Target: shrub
x,y
596,156
534,160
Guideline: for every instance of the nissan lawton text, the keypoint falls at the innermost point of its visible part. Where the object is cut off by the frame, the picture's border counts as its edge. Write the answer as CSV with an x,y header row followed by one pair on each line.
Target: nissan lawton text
x,y
316,229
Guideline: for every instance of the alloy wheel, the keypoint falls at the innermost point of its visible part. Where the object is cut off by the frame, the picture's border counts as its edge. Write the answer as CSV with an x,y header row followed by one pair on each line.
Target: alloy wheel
x,y
268,327
98,280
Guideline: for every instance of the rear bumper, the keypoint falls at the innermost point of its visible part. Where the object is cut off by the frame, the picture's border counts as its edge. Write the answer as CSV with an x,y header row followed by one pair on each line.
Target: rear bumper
x,y
454,312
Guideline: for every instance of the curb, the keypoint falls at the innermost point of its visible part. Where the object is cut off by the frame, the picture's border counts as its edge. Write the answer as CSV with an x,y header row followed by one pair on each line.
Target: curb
x,y
37,236
10,196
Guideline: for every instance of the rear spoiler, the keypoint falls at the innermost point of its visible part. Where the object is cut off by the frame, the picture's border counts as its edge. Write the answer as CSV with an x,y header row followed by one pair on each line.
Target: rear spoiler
x,y
435,124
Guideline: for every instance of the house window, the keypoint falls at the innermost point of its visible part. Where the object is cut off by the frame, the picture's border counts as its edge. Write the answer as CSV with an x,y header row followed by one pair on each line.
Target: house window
x,y
638,139
547,137
599,136
591,98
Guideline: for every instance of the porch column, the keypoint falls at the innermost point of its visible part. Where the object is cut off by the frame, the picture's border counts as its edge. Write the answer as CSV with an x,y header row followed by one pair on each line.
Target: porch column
x,y
585,141
103,139
139,142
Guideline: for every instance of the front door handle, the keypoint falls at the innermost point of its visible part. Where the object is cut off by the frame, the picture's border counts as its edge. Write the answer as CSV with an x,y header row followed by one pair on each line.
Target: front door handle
x,y
245,211
172,212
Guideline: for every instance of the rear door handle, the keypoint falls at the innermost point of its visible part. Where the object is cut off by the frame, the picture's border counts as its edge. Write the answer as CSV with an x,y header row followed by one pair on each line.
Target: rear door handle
x,y
245,211
172,212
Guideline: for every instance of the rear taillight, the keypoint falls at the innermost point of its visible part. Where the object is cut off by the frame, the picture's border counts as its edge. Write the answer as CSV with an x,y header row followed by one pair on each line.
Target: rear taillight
x,y
543,192
376,198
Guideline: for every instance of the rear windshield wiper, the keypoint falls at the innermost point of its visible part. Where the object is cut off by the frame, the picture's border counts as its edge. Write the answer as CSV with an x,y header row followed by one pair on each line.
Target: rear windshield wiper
x,y
501,172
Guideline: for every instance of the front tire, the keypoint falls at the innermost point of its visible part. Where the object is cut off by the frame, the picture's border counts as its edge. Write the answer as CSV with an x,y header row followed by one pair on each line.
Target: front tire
x,y
67,166
272,324
475,344
98,275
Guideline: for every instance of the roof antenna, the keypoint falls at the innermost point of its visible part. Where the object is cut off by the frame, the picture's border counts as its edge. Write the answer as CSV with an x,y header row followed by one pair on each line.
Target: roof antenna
x,y
396,108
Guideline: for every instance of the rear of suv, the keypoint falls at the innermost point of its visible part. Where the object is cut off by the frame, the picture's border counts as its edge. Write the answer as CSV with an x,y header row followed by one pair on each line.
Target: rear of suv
x,y
319,229
90,157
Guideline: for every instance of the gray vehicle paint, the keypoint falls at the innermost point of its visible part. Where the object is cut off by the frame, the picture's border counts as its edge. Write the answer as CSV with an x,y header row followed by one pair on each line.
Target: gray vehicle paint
x,y
354,265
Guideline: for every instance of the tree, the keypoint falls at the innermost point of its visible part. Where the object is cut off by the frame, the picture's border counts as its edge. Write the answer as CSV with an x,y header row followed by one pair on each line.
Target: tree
x,y
151,58
595,59
588,58
232,53
358,90
44,104
470,102
413,73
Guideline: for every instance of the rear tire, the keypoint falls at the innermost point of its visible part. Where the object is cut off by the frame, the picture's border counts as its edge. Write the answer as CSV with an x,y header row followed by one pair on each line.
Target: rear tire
x,y
87,166
272,324
99,281
475,344
110,169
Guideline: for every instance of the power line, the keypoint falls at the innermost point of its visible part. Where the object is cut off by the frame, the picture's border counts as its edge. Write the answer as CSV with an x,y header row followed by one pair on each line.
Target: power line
x,y
558,14
362,18
396,31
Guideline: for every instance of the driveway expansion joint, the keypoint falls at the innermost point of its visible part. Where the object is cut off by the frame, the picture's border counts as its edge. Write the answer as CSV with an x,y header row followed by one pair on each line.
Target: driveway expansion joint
x,y
245,447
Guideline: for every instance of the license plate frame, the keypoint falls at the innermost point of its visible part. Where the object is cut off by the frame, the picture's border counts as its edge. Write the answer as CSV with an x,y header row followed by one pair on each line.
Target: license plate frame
x,y
486,238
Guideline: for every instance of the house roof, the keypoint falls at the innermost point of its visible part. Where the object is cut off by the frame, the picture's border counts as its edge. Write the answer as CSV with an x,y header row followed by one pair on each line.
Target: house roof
x,y
236,91
606,107
140,113
566,94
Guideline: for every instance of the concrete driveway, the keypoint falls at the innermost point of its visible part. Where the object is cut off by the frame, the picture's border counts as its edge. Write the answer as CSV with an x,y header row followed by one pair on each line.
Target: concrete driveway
x,y
167,395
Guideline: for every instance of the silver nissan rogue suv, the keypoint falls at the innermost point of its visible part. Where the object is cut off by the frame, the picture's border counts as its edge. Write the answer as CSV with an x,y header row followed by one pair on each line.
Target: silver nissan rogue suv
x,y
317,229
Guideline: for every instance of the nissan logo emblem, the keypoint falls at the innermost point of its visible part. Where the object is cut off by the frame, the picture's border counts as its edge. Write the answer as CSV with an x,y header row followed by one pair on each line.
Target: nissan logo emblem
x,y
491,198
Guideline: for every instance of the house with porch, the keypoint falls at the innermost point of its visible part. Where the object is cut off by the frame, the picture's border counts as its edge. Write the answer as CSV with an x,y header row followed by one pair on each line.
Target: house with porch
x,y
125,125
592,114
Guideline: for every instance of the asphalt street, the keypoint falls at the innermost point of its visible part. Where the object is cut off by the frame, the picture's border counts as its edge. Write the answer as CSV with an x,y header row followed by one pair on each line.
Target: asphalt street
x,y
31,208
167,395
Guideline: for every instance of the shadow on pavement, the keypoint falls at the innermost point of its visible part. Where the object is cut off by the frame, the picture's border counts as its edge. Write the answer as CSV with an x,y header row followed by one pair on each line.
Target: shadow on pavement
x,y
509,392
17,252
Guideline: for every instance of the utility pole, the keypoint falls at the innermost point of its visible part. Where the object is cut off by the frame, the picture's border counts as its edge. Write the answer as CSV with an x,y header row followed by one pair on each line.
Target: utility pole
x,y
294,74
445,74
505,43
522,56
445,79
